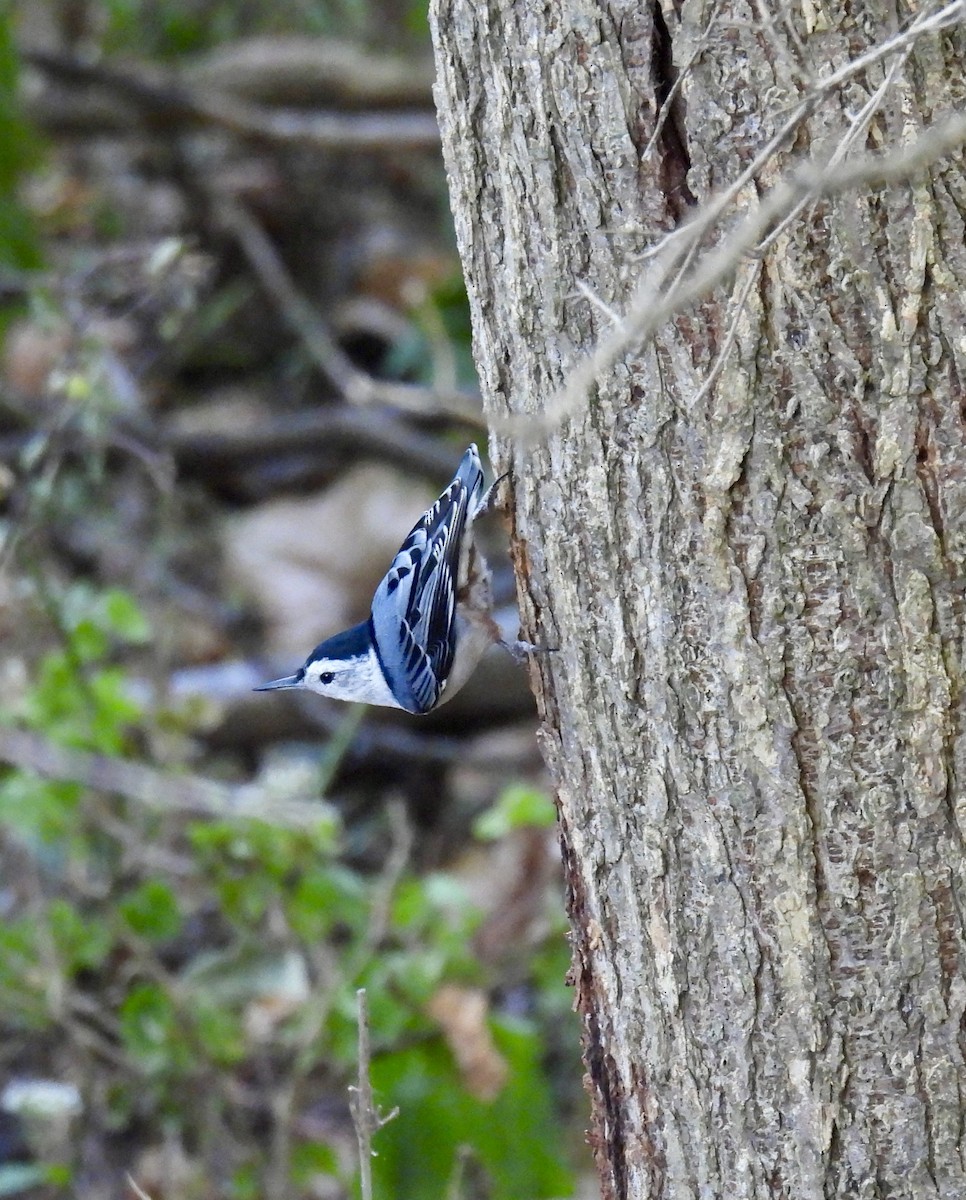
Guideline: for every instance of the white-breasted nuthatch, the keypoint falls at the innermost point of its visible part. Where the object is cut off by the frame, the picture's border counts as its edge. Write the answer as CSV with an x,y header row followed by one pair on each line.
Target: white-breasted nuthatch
x,y
431,617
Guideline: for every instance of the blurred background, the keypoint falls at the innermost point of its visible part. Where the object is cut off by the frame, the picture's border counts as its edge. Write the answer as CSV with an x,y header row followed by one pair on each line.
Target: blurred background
x,y
236,366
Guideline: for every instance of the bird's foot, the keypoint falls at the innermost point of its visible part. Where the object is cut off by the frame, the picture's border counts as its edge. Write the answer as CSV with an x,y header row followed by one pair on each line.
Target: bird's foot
x,y
486,501
519,650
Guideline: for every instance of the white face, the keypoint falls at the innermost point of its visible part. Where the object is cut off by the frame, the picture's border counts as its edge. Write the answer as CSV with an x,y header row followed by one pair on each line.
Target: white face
x,y
356,679
339,679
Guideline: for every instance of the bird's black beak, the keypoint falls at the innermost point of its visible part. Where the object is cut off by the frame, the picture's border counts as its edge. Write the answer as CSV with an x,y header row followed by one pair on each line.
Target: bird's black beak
x,y
289,681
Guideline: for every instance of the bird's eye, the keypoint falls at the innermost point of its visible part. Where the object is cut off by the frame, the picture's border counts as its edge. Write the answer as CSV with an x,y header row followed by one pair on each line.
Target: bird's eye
x,y
327,677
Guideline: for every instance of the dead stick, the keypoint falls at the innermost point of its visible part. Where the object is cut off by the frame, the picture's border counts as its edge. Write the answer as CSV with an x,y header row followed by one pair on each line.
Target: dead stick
x,y
365,1116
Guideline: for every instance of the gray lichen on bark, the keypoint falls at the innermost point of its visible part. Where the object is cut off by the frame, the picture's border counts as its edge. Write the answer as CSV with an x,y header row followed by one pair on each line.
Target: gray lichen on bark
x,y
755,716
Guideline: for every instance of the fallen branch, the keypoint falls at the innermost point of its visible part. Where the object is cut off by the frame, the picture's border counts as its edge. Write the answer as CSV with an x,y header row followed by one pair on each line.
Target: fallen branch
x,y
300,313
188,795
338,428
159,99
304,71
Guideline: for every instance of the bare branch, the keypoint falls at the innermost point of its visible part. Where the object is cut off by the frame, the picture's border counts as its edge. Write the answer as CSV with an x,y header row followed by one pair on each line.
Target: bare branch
x,y
738,307
305,70
653,303
164,100
925,23
187,795
365,1115
352,384
136,1188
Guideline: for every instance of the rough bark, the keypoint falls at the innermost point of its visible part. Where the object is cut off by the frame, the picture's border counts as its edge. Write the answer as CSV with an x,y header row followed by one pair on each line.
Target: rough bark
x,y
755,716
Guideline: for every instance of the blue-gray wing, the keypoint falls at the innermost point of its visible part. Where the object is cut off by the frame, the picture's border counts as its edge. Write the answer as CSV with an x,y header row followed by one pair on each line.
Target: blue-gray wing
x,y
412,623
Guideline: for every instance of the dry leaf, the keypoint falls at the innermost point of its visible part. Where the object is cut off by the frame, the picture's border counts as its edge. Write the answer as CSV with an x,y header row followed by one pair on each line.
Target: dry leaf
x,y
461,1013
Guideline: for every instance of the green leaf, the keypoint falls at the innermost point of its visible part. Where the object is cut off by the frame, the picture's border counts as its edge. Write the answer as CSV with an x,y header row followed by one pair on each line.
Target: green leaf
x,y
152,910
23,994
151,1030
245,1183
325,899
410,907
220,1033
311,1159
81,941
39,810
518,807
244,900
122,616
89,641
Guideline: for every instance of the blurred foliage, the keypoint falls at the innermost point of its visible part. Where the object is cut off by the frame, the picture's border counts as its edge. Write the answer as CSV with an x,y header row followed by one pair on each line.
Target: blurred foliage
x,y
198,979
16,1178
440,1125
519,807
439,343
166,28
20,149
253,954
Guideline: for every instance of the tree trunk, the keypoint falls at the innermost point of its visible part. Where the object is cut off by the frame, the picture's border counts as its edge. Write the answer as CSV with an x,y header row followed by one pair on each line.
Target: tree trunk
x,y
755,716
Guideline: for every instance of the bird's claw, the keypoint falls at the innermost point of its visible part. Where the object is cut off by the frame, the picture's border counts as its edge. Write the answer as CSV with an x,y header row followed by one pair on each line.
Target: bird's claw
x,y
519,649
487,500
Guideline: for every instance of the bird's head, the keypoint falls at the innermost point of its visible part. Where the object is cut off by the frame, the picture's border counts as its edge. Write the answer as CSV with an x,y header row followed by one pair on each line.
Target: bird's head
x,y
344,667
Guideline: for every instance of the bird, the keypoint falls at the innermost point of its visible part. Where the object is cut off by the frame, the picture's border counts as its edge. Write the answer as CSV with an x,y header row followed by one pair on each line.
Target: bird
x,y
431,617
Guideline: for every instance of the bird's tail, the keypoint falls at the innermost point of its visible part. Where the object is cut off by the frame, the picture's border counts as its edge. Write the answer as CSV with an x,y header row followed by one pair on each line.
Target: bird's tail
x,y
470,474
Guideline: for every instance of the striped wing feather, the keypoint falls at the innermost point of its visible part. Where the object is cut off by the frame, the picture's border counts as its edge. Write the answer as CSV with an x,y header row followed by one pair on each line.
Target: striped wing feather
x,y
414,608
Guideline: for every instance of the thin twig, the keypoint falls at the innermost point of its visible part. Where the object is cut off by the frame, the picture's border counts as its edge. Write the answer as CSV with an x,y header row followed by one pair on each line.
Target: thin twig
x,y
660,295
397,860
339,744
948,15
683,72
297,309
336,971
365,1116
857,129
738,308
612,315
778,46
362,1110
136,1188
705,218
353,385
652,305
